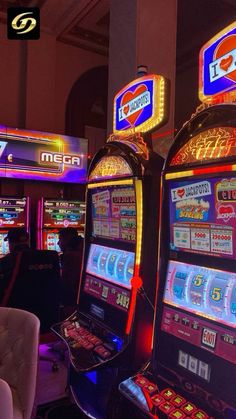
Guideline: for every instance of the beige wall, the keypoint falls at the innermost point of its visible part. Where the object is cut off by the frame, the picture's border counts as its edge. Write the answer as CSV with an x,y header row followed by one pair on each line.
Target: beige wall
x,y
36,78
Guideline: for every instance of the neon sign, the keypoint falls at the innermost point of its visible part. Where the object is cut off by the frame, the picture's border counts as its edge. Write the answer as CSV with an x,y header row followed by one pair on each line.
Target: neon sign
x,y
140,105
42,156
217,67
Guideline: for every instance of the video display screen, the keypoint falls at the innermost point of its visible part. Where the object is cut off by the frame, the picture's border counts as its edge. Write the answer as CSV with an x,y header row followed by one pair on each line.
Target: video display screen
x,y
203,216
42,156
58,214
51,241
4,247
114,212
13,212
207,292
114,265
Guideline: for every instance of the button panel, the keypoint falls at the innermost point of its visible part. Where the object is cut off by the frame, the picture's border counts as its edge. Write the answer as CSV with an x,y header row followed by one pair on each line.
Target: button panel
x,y
168,402
79,337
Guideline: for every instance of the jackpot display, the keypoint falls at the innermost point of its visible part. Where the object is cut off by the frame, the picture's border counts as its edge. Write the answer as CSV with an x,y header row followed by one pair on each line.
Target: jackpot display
x,y
114,213
203,216
42,156
54,215
14,212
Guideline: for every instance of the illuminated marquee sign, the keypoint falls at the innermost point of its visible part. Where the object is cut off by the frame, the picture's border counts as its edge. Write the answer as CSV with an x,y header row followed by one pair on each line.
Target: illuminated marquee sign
x,y
42,156
217,67
140,106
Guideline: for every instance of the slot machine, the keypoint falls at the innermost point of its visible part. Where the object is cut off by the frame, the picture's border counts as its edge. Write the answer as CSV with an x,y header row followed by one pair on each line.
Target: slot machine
x,y
54,215
110,333
14,212
193,368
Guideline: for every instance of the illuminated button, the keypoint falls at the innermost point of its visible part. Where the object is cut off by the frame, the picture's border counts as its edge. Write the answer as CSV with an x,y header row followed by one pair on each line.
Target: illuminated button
x,y
185,321
157,399
94,340
141,381
177,414
168,393
102,352
150,388
166,407
195,325
177,400
189,408
199,414
176,318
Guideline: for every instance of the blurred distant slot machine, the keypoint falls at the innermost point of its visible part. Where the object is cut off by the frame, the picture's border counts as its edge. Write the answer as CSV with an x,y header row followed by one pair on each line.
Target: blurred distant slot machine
x,y
54,215
14,212
193,368
111,331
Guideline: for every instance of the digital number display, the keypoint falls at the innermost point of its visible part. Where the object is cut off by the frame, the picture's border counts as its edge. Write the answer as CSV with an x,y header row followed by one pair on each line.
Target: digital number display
x,y
63,214
207,292
202,216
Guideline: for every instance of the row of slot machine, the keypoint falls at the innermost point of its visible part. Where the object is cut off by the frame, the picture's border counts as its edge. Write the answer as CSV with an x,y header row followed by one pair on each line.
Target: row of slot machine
x,y
52,215
160,245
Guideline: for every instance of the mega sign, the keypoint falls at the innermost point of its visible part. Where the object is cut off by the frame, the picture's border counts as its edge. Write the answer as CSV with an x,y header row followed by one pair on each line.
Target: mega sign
x,y
217,67
141,105
42,156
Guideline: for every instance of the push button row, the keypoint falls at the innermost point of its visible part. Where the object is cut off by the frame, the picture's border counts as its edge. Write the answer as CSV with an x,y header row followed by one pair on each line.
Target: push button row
x,y
167,401
81,337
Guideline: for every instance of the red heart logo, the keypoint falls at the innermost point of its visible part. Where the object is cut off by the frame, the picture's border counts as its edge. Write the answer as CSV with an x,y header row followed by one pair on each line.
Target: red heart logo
x,y
181,192
225,46
223,209
226,62
130,96
126,109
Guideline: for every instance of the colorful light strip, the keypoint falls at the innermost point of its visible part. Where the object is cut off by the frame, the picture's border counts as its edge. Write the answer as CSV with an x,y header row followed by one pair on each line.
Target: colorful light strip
x,y
136,281
110,183
206,170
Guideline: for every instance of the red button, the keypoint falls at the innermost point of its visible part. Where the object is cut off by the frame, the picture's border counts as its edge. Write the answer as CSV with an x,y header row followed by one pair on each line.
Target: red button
x,y
166,407
177,414
157,399
141,381
177,400
150,388
168,393
199,414
189,408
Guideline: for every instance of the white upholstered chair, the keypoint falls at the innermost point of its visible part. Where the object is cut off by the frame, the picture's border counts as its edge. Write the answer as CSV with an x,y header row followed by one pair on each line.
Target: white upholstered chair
x,y
19,342
6,401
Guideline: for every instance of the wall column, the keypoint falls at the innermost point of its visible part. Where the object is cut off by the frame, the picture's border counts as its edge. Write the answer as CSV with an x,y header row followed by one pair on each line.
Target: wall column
x,y
143,32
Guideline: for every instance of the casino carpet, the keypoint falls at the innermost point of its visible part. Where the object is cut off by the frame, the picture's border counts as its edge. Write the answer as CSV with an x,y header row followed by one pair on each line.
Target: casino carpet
x,y
61,409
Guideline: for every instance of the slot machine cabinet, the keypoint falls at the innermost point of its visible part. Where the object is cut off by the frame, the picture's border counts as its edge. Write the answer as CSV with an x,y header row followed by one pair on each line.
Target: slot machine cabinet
x,y
54,215
193,368
110,334
14,212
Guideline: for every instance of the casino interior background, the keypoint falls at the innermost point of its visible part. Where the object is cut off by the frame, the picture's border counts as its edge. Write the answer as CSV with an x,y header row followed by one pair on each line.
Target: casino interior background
x,y
88,50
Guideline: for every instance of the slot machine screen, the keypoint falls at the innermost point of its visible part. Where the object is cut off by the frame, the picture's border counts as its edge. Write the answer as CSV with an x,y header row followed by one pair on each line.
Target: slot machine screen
x,y
200,308
114,265
4,247
203,216
60,214
114,213
51,240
